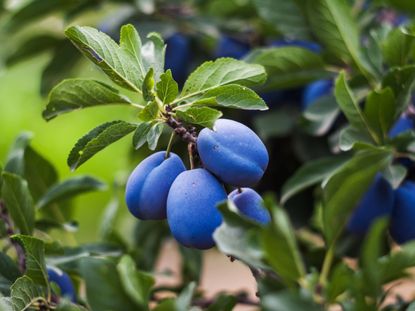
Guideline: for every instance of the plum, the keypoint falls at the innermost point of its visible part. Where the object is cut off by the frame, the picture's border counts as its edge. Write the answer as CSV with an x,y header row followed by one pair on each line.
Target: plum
x,y
402,222
250,204
148,185
63,281
178,54
233,152
191,208
231,47
316,90
377,202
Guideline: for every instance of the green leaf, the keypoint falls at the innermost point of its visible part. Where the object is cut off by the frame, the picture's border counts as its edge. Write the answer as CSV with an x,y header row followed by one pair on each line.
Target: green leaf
x,y
232,96
74,94
397,46
395,174
154,134
102,281
380,111
345,188
350,136
280,246
130,41
203,116
276,123
222,71
288,300
24,292
69,188
192,264
34,250
223,303
183,302
148,86
109,220
401,81
152,53
288,67
311,173
371,251
340,279
118,64
321,115
167,88
8,268
98,139
136,284
149,112
286,16
238,237
350,107
18,202
333,24
15,159
140,134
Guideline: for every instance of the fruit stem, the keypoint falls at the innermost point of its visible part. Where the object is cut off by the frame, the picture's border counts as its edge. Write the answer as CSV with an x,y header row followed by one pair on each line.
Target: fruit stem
x,y
328,260
190,149
239,190
170,145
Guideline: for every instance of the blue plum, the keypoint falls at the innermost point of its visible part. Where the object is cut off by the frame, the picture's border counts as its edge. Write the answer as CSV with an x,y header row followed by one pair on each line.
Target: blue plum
x,y
404,123
231,47
312,46
178,54
250,204
191,208
316,90
63,281
233,152
377,202
148,185
402,228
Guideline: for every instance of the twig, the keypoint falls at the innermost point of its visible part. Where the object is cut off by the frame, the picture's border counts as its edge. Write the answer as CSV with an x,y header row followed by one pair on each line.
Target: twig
x,y
4,215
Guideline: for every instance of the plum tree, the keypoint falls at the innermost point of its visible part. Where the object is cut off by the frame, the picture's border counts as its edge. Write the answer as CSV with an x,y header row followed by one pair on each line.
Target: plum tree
x,y
63,281
191,208
250,204
148,185
231,47
233,152
316,90
377,202
178,53
402,227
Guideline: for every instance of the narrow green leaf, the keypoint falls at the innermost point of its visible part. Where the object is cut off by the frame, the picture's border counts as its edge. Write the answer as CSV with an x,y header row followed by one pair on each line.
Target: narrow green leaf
x,y
148,86
395,174
109,219
232,96
130,41
15,158
397,46
223,303
288,66
220,72
203,116
118,64
280,246
18,201
167,88
401,81
380,111
136,284
154,134
8,268
140,134
286,16
192,264
69,188
152,53
311,173
350,136
350,107
34,258
288,300
74,94
345,188
98,139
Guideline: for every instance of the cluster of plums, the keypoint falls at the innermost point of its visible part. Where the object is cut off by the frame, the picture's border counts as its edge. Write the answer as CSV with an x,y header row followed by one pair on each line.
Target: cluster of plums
x,y
161,187
382,201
